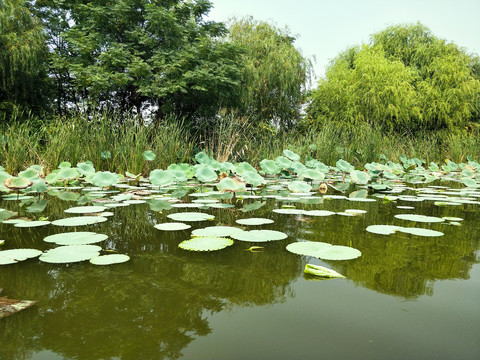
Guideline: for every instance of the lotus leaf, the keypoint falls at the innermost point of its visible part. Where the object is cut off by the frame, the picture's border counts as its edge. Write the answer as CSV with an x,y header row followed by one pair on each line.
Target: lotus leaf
x,y
28,224
158,204
254,221
259,235
323,250
149,155
37,206
318,212
205,244
67,174
359,177
28,174
104,179
253,206
191,216
253,178
419,218
206,174
85,209
202,158
68,196
17,183
172,226
231,184
289,211
216,231
312,174
283,162
105,155
299,186
13,256
321,271
470,182
269,167
344,166
76,238
85,168
70,254
109,259
79,221
291,155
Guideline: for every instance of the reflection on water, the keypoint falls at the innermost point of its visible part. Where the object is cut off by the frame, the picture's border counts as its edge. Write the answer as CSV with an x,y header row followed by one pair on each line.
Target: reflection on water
x,y
153,306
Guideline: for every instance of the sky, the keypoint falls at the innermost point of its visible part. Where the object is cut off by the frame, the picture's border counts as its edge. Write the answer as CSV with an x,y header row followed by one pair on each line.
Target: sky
x,y
326,27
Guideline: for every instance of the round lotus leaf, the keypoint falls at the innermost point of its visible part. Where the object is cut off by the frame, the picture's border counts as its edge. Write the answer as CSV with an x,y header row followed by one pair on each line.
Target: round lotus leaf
x,y
109,259
16,255
421,232
259,235
85,209
149,155
323,250
419,218
318,213
289,211
253,178
355,211
291,155
14,221
299,187
344,166
17,183
29,174
39,186
79,221
64,165
134,202
221,206
202,157
104,179
69,254
205,244
191,216
470,182
383,229
206,174
313,174
28,224
76,238
216,231
85,168
172,226
160,177
254,221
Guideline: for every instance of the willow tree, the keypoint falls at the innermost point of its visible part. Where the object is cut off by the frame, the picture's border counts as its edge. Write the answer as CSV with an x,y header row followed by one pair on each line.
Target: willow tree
x,y
23,59
275,73
405,79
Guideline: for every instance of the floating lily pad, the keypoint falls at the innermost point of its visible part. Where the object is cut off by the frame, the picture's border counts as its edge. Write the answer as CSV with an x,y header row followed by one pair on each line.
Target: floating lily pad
x,y
109,259
321,271
383,229
28,224
450,218
172,226
13,256
85,209
254,221
76,238
421,232
419,218
323,250
191,216
205,244
299,187
216,231
289,211
260,235
318,212
70,254
79,221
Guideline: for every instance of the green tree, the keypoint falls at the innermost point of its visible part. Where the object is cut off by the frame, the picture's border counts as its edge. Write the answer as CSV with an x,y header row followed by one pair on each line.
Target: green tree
x,y
275,73
23,60
406,79
138,54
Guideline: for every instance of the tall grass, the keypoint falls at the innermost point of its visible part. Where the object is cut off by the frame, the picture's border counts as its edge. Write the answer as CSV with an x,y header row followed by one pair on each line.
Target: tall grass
x,y
225,137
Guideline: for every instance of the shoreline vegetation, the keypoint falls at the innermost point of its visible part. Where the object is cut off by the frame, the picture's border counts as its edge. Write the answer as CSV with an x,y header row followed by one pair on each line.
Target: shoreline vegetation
x,y
226,138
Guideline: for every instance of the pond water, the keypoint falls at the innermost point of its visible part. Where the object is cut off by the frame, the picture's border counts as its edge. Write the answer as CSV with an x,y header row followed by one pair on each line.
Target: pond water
x,y
406,297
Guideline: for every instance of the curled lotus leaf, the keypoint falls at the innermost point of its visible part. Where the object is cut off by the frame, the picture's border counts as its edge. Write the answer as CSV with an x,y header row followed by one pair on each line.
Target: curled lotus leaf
x,y
291,155
321,271
253,178
17,183
205,244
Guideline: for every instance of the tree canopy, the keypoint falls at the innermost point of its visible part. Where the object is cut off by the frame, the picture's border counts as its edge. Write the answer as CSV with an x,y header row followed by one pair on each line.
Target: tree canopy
x,y
405,79
275,73
159,55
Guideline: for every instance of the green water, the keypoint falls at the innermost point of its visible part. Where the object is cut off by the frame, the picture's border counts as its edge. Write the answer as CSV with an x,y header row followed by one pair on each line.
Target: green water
x,y
406,297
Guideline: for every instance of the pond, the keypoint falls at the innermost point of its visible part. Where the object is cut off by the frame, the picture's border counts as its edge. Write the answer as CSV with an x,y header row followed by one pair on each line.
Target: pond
x,y
408,296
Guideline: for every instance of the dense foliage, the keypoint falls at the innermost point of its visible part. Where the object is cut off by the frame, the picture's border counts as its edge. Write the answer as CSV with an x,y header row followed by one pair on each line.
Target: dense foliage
x,y
405,79
275,75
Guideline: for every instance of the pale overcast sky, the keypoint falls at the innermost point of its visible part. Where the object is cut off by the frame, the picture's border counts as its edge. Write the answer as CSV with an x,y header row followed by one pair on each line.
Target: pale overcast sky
x,y
326,27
